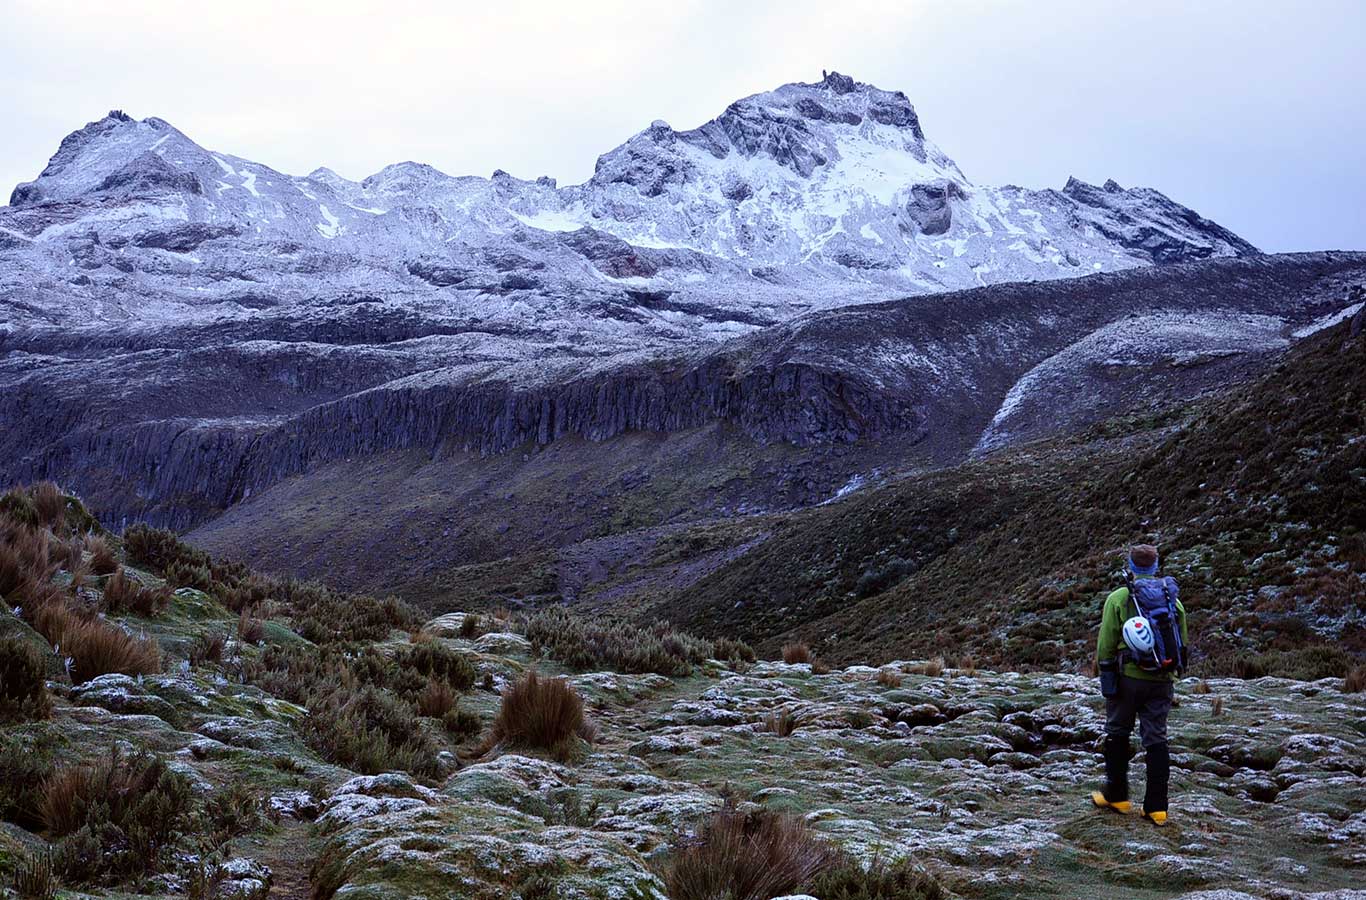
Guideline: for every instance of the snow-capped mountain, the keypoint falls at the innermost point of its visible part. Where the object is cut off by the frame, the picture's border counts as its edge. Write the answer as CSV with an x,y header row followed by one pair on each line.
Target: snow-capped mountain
x,y
807,196
182,328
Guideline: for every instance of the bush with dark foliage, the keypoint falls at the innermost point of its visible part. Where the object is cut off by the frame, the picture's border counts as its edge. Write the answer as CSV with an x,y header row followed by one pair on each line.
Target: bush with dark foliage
x,y
23,682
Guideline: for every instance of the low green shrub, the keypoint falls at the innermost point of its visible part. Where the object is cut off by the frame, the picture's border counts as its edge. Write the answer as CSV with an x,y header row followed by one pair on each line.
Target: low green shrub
x,y
617,646
370,731
880,880
232,811
26,762
880,578
23,682
116,817
437,661
461,723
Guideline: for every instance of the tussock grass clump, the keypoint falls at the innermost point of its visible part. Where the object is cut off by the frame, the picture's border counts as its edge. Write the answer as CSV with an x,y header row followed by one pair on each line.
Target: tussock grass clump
x,y
880,880
208,648
889,678
250,630
539,714
184,574
797,652
95,647
933,667
1355,680
436,699
616,646
323,615
49,504
17,505
749,856
103,559
159,548
471,626
124,594
1308,663
117,816
370,731
23,682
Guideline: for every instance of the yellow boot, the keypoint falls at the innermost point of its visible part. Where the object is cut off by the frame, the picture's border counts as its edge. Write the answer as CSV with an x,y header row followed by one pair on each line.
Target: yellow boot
x,y
1158,818
1119,806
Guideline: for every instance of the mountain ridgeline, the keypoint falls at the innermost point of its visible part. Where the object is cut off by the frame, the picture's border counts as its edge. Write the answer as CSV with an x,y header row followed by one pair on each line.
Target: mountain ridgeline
x,y
799,297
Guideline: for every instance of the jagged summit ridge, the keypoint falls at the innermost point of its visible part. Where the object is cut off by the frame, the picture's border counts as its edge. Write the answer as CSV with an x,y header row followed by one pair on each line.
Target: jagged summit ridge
x,y
810,195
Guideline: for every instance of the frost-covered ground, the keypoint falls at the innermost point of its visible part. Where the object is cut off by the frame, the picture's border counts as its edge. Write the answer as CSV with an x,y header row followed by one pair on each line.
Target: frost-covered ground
x,y
982,776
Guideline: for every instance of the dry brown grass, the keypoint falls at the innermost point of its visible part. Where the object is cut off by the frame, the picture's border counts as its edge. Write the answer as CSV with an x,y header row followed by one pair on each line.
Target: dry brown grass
x,y
26,562
933,668
967,665
436,699
1201,687
889,678
122,593
103,560
68,554
250,630
1216,708
1355,682
539,713
797,652
751,856
94,646
50,504
208,647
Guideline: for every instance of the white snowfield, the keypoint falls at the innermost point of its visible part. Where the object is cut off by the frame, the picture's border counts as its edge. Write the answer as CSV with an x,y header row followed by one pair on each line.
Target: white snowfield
x,y
807,197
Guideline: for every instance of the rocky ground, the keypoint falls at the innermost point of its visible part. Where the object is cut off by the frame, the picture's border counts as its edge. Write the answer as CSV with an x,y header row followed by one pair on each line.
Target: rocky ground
x,y
980,776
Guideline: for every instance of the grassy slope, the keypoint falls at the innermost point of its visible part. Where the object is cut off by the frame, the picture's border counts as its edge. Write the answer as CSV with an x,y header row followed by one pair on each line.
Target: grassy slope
x,y
405,522
1257,501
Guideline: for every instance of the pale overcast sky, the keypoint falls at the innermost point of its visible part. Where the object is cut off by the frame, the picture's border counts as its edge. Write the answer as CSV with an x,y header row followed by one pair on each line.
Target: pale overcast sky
x,y
1253,113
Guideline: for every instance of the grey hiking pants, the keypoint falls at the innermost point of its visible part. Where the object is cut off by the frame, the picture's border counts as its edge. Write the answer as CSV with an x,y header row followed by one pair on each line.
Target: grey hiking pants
x,y
1148,701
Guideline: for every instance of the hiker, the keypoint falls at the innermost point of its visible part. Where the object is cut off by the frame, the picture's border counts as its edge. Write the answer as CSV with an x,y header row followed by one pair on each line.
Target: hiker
x,y
1140,651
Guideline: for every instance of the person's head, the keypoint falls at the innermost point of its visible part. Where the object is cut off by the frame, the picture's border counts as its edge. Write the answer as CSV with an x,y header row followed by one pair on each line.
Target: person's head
x,y
1143,559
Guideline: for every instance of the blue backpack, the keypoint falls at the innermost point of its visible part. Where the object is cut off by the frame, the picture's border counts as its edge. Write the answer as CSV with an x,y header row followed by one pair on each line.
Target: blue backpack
x,y
1155,600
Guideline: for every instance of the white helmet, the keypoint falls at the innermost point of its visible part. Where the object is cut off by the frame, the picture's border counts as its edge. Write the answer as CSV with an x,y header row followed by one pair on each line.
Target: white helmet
x,y
1138,634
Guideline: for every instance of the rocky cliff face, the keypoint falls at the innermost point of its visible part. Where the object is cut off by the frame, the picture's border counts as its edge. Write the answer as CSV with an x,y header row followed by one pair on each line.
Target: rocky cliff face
x,y
180,327
176,433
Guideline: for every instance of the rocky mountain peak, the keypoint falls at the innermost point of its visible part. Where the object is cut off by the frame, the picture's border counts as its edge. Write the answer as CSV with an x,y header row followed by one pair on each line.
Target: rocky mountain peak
x,y
840,84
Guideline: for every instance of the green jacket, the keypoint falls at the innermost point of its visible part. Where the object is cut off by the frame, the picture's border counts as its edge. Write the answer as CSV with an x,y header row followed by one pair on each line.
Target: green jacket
x,y
1111,640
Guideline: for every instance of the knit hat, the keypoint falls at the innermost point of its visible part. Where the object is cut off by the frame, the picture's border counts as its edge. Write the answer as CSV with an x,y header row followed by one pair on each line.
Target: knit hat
x,y
1143,559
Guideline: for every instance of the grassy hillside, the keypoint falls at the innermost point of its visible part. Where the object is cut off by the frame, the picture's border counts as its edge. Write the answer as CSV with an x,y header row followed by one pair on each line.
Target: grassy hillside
x,y
1256,498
